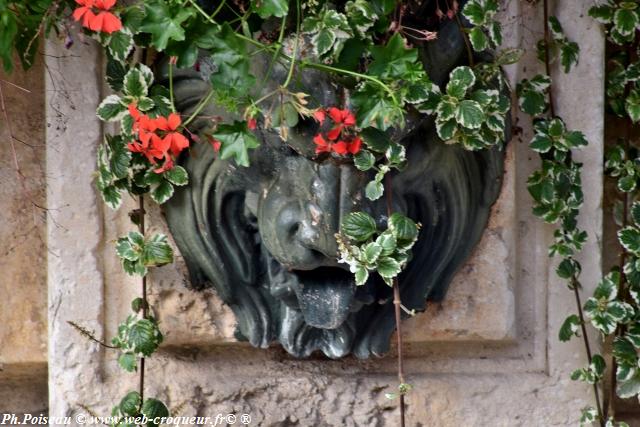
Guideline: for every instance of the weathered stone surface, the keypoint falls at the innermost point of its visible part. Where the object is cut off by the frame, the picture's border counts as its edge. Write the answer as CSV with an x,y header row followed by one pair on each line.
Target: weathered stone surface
x,y
490,357
23,252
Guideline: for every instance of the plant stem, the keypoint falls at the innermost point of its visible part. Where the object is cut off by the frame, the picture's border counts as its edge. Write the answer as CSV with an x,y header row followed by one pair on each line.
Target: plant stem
x,y
576,285
144,292
397,305
199,108
295,46
173,106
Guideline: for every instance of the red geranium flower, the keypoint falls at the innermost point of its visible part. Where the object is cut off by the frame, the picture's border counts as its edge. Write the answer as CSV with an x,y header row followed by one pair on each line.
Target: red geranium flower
x,y
176,141
341,118
95,15
341,139
158,138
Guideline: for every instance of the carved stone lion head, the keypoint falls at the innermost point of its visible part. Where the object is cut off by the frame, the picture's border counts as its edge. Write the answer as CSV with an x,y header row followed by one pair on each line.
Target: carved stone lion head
x,y
263,236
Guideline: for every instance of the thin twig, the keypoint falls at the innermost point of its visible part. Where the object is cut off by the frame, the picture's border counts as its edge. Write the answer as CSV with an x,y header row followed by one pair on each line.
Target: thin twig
x,y
85,332
397,306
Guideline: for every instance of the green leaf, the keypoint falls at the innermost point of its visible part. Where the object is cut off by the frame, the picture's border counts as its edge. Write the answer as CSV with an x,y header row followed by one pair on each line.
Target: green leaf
x,y
144,337
121,44
387,241
495,32
478,39
111,196
404,229
462,76
625,21
329,30
111,109
541,143
157,251
376,108
635,212
375,139
569,328
393,60
567,268
629,238
361,16
607,288
630,388
388,267
177,175
569,52
396,154
364,160
602,13
164,22
361,274
632,105
470,114
574,139
370,252
162,192
446,129
154,408
374,190
627,184
135,84
358,226
232,65
268,8
128,362
509,56
115,73
127,250
236,141
474,12
130,403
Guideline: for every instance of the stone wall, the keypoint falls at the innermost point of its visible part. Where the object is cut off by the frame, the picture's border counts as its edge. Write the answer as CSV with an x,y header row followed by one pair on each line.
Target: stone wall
x,y
488,355
23,251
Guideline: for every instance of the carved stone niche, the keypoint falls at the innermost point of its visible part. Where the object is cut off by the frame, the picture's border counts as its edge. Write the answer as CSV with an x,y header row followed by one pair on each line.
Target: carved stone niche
x,y
263,236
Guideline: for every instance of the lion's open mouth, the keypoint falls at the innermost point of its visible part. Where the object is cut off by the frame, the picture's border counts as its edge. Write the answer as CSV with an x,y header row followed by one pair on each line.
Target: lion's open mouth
x,y
325,296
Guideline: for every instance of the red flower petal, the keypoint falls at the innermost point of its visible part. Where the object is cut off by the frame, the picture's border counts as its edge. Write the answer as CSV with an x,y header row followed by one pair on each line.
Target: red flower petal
x,y
161,123
79,12
334,133
354,146
178,143
340,147
320,115
95,23
335,114
252,123
214,143
111,23
161,144
105,4
174,121
349,119
321,145
134,112
87,3
167,165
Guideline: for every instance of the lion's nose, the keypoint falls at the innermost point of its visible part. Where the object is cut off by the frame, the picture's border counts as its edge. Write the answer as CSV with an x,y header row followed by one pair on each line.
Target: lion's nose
x,y
299,226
